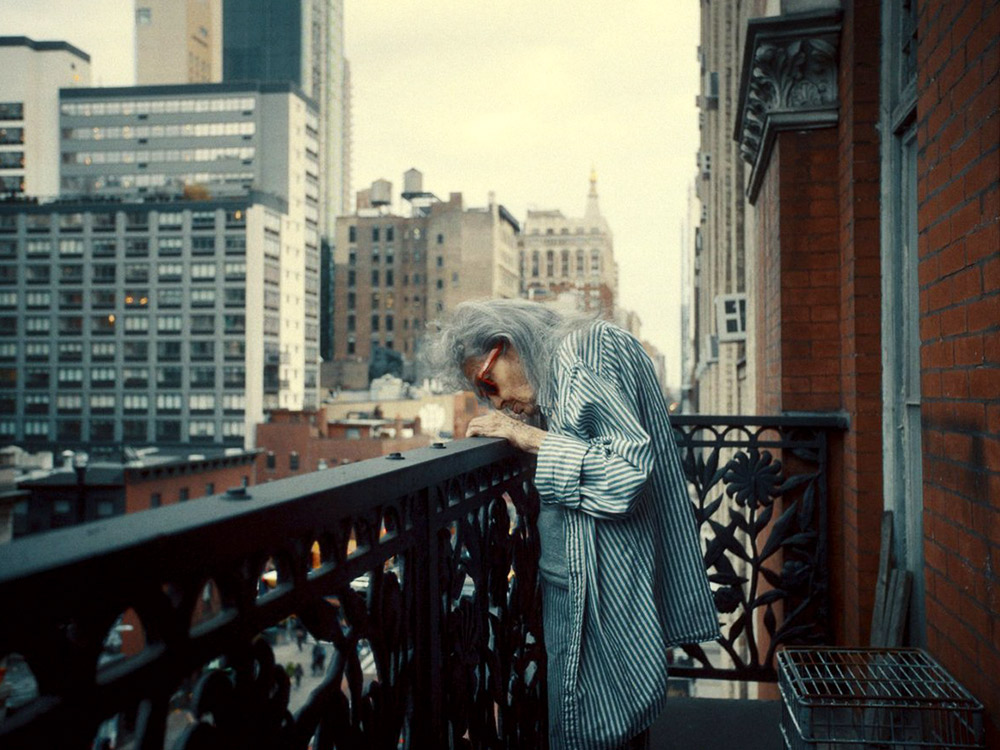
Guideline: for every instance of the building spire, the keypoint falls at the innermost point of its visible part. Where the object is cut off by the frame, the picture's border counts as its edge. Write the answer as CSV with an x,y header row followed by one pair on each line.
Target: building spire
x,y
593,209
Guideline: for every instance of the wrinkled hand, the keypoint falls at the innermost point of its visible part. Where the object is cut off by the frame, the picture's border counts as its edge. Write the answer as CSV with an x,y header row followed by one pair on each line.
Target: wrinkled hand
x,y
498,424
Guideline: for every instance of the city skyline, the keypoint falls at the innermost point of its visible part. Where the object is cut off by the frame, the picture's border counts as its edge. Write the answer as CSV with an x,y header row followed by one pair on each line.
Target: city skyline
x,y
545,95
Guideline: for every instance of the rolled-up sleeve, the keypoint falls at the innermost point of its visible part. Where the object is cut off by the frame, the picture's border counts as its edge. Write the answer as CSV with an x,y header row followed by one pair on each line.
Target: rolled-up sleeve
x,y
601,458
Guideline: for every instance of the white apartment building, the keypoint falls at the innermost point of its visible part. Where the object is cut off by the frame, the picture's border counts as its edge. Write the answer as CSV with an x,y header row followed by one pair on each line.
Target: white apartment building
x,y
143,322
33,73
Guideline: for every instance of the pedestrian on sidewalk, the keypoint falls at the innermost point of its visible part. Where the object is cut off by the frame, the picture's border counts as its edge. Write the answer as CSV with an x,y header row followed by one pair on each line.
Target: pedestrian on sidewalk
x,y
318,659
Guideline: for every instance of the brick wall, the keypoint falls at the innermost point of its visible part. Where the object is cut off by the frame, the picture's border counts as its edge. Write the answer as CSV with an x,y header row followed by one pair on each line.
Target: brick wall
x,y
168,481
767,306
859,285
958,131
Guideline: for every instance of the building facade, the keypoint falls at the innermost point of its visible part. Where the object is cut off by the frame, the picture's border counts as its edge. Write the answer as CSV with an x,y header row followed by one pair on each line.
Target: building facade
x,y
394,273
178,41
871,192
29,111
718,303
212,141
570,261
143,323
105,488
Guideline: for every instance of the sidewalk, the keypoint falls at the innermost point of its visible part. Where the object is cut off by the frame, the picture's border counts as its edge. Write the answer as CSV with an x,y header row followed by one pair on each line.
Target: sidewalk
x,y
286,651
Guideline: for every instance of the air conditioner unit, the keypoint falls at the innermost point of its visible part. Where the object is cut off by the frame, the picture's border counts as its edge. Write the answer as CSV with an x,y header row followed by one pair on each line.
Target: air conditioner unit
x,y
731,317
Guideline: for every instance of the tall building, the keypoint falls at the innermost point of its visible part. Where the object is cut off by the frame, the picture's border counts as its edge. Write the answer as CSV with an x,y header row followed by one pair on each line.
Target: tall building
x,y
393,273
571,259
719,383
33,73
178,41
301,41
154,302
139,323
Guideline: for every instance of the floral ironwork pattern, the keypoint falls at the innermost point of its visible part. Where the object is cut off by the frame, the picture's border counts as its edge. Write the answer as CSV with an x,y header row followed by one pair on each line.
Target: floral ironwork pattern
x,y
758,489
416,562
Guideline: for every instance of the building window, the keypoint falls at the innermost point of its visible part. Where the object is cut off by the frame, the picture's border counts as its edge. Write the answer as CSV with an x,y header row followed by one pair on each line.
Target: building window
x,y
183,495
204,271
168,431
135,430
133,403
293,457
166,323
169,272
169,403
203,429
155,500
202,377
201,402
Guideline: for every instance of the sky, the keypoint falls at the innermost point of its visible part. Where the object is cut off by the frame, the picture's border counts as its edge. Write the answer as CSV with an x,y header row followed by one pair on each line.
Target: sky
x,y
520,98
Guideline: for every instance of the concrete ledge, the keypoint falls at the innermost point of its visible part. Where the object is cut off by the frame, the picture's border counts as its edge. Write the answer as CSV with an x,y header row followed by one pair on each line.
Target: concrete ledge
x,y
708,723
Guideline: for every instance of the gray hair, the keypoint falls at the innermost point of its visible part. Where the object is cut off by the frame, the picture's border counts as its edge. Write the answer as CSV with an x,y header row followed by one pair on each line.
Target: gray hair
x,y
473,328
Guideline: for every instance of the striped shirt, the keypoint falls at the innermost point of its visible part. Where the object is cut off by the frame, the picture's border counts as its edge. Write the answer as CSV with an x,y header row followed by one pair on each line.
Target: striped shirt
x,y
637,582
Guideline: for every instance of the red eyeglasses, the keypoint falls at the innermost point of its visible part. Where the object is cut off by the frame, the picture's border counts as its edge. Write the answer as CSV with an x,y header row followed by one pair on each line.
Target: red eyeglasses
x,y
484,385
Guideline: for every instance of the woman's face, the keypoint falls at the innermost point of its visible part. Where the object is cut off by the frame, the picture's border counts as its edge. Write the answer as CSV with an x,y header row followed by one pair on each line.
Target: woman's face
x,y
513,392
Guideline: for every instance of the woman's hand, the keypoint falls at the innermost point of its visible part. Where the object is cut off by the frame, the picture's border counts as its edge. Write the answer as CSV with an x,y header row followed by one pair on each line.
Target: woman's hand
x,y
498,424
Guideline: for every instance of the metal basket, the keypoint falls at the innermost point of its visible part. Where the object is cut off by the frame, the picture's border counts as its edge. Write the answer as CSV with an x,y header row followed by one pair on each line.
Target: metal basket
x,y
873,699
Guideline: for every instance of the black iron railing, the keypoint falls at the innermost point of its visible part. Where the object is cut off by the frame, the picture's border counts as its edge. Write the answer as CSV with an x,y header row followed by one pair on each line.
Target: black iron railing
x,y
412,561
759,488
416,572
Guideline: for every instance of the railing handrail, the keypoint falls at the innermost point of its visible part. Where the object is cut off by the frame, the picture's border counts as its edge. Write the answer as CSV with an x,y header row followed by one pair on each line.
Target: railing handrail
x,y
58,549
823,420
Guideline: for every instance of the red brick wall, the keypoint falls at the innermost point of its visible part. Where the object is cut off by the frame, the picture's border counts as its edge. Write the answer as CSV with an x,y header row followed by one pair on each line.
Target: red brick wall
x,y
857,523
168,481
283,438
810,335
958,131
819,297
768,291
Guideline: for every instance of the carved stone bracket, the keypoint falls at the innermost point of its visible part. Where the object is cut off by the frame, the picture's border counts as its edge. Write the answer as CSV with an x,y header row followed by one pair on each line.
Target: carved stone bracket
x,y
788,82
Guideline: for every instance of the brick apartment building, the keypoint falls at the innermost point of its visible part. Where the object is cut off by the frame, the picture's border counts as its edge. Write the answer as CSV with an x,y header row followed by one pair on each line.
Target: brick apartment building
x,y
871,133
105,488
294,443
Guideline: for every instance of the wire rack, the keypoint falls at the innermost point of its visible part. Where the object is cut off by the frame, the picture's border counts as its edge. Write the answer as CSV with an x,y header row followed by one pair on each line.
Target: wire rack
x,y
873,699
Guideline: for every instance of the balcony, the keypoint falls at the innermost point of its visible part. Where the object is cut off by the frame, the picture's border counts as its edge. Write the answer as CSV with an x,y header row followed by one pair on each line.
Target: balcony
x,y
420,579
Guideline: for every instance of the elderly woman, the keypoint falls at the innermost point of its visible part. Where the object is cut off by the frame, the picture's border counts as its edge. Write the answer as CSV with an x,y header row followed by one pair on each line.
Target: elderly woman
x,y
622,575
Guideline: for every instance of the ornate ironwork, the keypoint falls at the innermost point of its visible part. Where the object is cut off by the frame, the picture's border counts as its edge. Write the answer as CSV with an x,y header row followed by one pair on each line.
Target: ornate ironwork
x,y
419,562
759,492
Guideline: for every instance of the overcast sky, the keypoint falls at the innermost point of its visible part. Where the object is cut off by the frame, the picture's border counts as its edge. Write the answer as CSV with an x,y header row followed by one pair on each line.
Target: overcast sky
x,y
519,98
